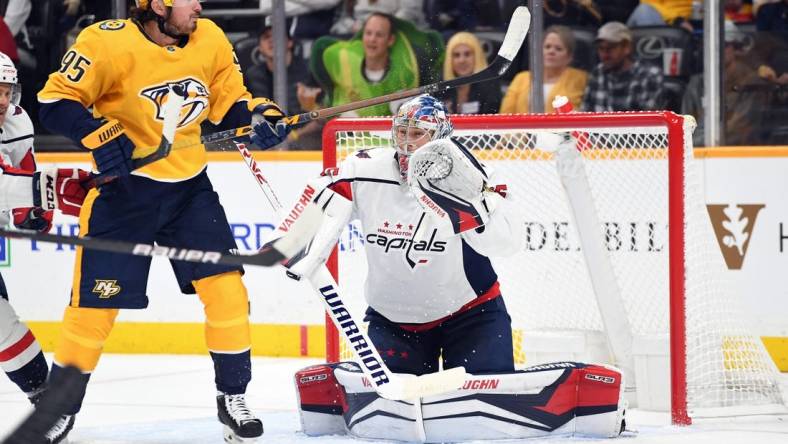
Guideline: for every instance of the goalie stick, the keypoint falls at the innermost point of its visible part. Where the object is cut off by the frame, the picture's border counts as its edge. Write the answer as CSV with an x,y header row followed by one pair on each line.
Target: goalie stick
x,y
387,384
281,250
512,41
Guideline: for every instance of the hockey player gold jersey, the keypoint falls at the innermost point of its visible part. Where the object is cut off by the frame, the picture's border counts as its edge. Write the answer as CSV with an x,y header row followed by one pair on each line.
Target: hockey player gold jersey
x,y
120,87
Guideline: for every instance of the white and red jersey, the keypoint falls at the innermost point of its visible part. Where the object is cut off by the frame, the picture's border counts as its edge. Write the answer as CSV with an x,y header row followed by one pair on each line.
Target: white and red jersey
x,y
417,273
16,190
17,161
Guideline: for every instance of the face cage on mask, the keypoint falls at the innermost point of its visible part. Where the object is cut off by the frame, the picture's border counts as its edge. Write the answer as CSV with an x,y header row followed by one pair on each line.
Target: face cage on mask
x,y
403,153
16,92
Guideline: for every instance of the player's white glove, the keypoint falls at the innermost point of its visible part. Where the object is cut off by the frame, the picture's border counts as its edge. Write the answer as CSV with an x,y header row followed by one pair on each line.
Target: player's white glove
x,y
449,184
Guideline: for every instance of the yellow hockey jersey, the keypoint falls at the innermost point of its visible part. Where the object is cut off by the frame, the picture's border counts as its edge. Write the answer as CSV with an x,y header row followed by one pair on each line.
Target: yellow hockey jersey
x,y
117,70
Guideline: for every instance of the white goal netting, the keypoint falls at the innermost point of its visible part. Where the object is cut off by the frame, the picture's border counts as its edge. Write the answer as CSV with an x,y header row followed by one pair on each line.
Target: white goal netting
x,y
547,286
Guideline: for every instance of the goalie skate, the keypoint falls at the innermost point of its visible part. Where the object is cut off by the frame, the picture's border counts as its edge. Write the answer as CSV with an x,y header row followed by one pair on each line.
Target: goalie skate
x,y
240,426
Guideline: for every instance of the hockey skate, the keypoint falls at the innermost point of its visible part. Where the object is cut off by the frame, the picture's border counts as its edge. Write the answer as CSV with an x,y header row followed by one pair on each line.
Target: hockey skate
x,y
59,432
240,426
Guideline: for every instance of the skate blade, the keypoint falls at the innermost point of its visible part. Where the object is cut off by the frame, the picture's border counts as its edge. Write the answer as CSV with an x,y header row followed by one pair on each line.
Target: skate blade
x,y
232,438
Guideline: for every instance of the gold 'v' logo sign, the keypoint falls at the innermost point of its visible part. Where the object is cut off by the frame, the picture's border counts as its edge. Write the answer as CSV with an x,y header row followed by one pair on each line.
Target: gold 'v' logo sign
x,y
733,227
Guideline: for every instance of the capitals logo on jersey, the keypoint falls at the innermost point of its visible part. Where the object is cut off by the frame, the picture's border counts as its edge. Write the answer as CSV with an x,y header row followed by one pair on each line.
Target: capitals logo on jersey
x,y
395,237
195,103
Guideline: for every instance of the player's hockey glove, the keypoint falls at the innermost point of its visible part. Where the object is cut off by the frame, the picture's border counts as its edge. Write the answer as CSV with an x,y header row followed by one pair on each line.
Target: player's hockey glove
x,y
32,218
62,188
268,128
111,149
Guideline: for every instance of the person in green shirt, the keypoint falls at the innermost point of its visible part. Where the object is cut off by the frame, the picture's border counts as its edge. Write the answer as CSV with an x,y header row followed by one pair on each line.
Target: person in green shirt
x,y
387,55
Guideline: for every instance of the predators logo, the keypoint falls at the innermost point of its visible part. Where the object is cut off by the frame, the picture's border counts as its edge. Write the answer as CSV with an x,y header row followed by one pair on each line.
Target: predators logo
x,y
106,288
195,104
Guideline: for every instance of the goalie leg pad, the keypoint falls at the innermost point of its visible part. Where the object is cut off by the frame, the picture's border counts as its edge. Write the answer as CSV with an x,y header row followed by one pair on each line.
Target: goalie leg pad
x,y
337,399
559,399
565,398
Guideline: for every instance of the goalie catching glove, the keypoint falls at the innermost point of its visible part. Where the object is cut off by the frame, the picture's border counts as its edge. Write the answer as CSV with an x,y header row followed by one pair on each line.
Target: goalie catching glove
x,y
451,185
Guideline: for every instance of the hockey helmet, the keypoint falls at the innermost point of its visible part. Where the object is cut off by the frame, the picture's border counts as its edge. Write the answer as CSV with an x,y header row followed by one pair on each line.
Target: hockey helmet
x,y
8,72
8,75
423,112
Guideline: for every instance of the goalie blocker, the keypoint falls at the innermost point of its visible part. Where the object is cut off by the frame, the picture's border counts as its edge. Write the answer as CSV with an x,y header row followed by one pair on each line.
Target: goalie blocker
x,y
558,399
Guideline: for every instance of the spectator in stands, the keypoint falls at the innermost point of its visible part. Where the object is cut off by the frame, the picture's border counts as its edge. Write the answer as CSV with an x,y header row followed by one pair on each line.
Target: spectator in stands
x,y
302,97
661,12
559,78
16,14
773,17
745,95
377,61
409,10
450,16
311,19
465,56
756,5
772,42
738,11
618,10
572,13
102,9
618,82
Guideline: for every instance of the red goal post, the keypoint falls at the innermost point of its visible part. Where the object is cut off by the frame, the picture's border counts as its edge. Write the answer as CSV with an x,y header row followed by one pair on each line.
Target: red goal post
x,y
644,189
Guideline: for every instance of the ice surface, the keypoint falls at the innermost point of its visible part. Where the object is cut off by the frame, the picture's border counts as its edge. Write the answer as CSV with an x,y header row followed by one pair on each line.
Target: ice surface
x,y
170,399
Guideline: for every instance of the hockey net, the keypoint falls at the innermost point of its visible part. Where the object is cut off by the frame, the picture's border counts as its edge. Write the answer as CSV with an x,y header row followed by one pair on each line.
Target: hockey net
x,y
647,192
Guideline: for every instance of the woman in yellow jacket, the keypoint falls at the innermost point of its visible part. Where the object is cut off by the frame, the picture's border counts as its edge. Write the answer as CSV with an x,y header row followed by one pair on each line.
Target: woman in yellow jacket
x,y
559,78
465,56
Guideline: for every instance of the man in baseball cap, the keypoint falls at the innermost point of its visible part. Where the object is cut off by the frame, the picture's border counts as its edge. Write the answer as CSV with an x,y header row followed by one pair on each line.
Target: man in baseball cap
x,y
619,82
614,45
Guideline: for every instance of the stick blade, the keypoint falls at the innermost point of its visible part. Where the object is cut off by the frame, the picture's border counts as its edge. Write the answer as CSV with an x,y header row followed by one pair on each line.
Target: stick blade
x,y
407,387
301,232
515,33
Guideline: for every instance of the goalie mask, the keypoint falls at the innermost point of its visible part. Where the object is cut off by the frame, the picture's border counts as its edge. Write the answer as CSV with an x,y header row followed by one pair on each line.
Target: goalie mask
x,y
8,75
417,122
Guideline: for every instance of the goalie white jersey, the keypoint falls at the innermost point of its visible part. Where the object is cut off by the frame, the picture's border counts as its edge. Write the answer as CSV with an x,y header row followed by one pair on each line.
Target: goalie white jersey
x,y
417,272
16,153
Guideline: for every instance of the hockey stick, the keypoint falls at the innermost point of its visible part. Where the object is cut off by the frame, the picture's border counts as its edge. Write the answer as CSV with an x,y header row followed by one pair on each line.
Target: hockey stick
x,y
54,403
172,113
512,41
386,383
291,244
